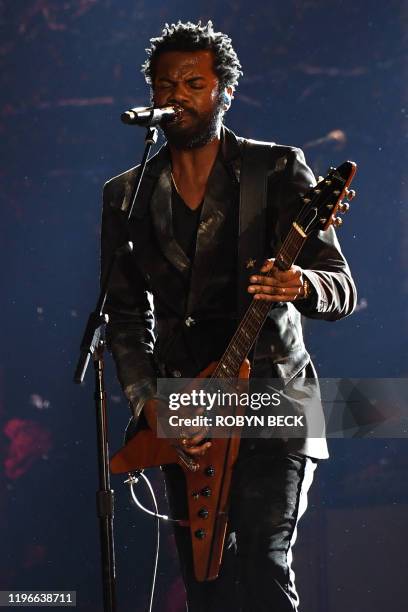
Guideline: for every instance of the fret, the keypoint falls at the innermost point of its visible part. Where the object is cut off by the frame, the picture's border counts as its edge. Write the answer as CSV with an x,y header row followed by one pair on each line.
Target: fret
x,y
235,349
284,255
225,368
232,363
239,354
225,372
256,314
245,334
253,322
250,328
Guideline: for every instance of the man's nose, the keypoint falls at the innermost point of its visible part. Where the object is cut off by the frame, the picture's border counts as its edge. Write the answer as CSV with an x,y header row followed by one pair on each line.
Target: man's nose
x,y
178,94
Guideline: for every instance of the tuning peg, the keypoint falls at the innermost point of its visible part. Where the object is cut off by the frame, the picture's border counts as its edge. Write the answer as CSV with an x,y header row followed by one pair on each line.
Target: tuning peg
x,y
337,222
320,179
350,194
307,200
344,207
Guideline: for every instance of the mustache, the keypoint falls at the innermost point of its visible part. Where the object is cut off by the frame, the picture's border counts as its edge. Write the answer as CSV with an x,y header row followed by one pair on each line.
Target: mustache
x,y
184,109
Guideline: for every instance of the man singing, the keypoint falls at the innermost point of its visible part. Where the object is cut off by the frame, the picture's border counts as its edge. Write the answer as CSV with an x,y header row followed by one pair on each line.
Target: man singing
x,y
175,302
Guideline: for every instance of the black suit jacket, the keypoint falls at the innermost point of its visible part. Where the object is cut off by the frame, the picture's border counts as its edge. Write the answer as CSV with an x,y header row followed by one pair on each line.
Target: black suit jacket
x,y
155,291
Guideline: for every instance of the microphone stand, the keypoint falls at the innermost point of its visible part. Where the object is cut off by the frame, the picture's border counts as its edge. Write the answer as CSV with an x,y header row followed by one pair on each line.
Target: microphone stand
x,y
92,345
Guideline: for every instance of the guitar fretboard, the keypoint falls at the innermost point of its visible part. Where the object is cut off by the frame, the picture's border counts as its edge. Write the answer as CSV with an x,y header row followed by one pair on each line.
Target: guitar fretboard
x,y
256,314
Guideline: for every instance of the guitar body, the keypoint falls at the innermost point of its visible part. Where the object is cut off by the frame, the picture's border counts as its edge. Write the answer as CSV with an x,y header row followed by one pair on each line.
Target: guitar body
x,y
208,481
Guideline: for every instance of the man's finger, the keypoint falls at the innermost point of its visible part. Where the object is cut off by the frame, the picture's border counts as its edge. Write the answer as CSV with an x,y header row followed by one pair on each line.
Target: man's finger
x,y
276,298
196,451
268,265
196,437
274,290
285,275
273,282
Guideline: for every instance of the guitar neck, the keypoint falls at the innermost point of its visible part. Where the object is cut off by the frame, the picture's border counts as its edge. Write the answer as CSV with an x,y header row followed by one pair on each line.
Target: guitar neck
x,y
256,314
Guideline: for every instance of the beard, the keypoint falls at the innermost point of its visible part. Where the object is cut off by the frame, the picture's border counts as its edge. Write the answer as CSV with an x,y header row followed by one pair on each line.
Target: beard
x,y
203,128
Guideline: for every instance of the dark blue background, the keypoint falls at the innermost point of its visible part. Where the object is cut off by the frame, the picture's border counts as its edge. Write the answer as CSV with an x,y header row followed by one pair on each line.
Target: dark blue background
x,y
68,69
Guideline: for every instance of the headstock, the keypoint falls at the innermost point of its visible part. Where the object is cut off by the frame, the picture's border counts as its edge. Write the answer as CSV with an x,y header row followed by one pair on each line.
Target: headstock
x,y
322,202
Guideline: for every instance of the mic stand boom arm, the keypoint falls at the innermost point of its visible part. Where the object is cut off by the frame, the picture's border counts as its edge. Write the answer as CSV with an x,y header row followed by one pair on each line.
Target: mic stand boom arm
x,y
92,345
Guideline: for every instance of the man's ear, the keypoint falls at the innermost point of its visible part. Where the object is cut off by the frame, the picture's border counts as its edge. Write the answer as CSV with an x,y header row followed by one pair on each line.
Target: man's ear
x,y
226,97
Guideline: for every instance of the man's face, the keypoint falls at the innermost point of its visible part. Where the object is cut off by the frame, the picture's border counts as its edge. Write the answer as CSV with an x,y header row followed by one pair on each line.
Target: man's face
x,y
187,78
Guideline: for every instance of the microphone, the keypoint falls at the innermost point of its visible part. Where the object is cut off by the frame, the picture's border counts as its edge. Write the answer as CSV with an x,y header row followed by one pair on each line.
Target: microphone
x,y
147,116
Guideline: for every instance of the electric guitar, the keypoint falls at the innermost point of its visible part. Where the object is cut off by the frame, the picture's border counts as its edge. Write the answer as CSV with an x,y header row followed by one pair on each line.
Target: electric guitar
x,y
208,478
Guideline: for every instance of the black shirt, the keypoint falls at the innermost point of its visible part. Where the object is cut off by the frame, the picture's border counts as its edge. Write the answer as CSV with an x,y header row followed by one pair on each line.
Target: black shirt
x,y
185,223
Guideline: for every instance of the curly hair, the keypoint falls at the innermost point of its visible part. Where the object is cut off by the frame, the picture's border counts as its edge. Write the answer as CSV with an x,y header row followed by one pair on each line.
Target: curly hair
x,y
195,37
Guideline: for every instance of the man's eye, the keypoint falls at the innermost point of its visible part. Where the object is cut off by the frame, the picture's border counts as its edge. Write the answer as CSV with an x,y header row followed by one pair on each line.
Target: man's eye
x,y
196,86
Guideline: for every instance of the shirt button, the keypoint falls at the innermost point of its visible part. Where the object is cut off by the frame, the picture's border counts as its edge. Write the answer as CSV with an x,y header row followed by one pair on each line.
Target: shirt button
x,y
177,374
189,321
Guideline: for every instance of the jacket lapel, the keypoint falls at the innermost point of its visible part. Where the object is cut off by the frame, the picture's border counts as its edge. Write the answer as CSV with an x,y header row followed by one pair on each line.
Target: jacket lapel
x,y
163,223
218,199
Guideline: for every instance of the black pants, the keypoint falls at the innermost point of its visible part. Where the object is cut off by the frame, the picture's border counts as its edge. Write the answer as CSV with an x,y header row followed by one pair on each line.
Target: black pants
x,y
268,497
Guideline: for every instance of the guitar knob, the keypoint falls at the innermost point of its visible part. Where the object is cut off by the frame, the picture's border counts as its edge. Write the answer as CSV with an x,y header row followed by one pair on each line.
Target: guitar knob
x,y
200,534
337,222
203,513
350,194
344,207
209,471
206,492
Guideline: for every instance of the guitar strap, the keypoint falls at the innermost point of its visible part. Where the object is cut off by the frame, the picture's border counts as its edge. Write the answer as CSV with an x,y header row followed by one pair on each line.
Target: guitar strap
x,y
256,159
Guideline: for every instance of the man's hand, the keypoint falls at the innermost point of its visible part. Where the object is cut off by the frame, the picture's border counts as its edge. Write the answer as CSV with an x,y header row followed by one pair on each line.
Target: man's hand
x,y
189,440
280,286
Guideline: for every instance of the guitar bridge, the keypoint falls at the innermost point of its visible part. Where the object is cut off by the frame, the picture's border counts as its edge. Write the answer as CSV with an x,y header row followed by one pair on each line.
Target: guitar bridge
x,y
186,460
